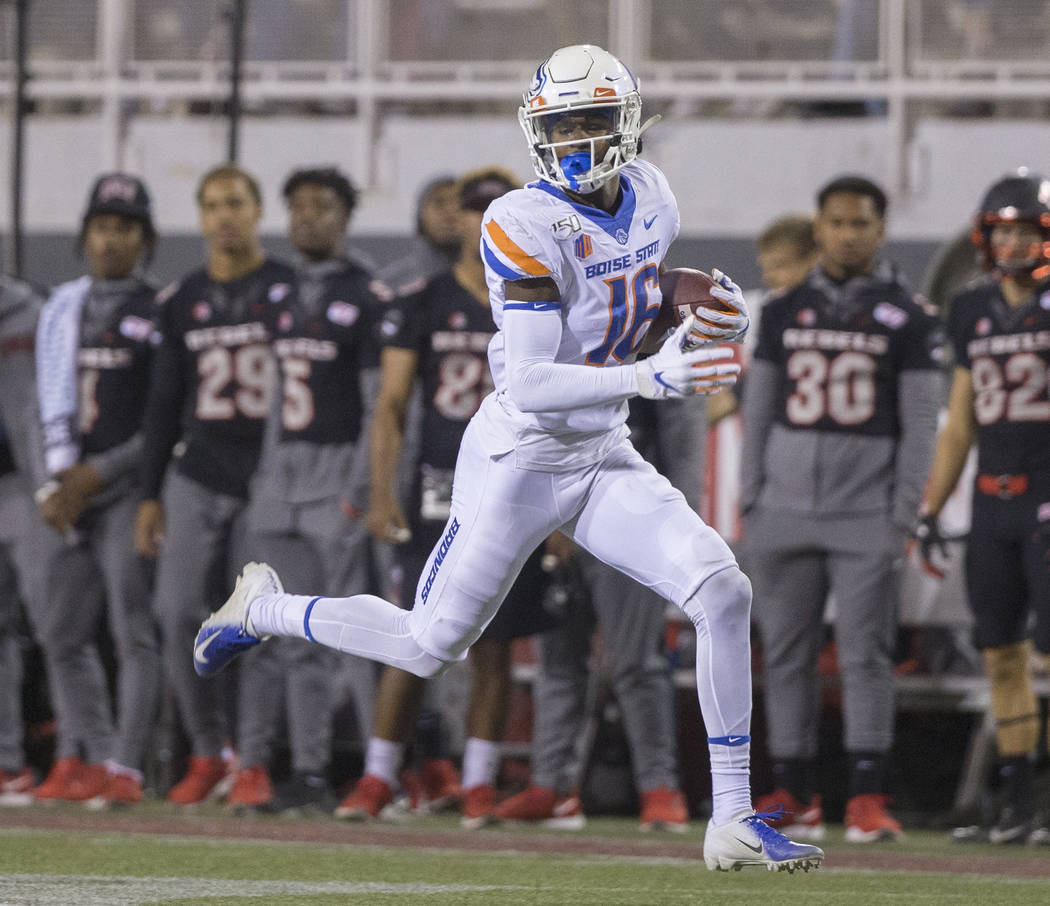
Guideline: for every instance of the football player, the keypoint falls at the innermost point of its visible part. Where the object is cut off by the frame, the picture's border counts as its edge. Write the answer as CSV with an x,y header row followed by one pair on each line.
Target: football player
x,y
209,393
572,266
839,423
302,514
1000,400
93,361
26,544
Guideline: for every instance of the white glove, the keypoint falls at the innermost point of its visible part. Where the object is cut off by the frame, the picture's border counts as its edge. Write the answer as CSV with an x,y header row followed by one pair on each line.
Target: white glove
x,y
723,326
675,371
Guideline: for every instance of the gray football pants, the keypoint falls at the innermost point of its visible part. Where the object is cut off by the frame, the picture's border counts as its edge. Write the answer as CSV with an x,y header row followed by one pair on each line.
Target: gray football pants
x,y
11,737
632,621
198,564
791,586
102,574
315,549
24,553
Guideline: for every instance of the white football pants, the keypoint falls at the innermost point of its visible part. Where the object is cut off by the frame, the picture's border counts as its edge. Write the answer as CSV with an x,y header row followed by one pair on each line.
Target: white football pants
x,y
620,509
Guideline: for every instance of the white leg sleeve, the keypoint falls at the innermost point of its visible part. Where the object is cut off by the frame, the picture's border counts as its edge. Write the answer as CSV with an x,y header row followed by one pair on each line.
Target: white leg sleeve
x,y
720,610
360,624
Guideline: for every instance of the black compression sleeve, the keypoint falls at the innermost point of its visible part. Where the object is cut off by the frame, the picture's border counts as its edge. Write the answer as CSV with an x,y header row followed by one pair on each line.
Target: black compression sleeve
x,y
162,423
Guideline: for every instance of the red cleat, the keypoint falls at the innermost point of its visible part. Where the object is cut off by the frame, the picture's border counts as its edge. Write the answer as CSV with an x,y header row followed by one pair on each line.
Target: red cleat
x,y
58,778
478,806
542,805
441,785
199,782
120,790
867,820
368,798
664,809
251,788
70,780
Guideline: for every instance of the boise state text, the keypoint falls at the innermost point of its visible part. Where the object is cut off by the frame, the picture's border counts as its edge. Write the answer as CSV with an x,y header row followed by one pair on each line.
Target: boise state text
x,y
442,552
622,262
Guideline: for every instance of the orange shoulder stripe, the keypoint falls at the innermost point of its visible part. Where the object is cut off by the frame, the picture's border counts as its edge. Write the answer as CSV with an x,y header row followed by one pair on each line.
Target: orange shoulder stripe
x,y
514,252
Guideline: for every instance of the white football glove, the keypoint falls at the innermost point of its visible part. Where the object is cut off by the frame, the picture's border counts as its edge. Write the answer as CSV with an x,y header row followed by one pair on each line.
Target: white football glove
x,y
676,371
724,327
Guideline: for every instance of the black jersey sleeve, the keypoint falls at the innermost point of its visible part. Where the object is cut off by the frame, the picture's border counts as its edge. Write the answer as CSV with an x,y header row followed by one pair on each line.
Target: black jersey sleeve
x,y
372,311
767,345
162,423
958,314
923,346
404,323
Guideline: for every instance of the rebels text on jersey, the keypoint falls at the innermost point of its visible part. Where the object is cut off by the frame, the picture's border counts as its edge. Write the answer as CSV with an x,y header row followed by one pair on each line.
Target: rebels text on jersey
x,y
322,339
840,351
113,362
1007,352
450,330
212,377
606,268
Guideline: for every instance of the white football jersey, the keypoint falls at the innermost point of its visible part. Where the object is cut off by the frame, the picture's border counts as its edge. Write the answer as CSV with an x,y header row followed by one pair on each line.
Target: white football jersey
x,y
606,267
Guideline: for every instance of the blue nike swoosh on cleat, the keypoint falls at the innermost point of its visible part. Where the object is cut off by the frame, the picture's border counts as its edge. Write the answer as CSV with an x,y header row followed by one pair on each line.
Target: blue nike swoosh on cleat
x,y
649,221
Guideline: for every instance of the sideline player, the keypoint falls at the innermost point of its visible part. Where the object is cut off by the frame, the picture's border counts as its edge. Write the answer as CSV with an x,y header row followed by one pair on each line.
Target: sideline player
x,y
441,335
26,544
1000,330
297,519
839,417
208,400
573,273
93,359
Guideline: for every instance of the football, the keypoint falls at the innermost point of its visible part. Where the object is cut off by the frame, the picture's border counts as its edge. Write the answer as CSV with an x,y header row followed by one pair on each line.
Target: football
x,y
684,291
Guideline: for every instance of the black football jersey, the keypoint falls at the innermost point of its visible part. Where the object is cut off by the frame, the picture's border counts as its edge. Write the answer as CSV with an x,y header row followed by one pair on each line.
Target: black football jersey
x,y
1007,352
840,358
323,336
212,376
113,362
450,330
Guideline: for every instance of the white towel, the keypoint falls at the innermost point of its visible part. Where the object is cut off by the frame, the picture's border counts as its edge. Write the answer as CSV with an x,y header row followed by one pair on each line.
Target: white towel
x,y
57,345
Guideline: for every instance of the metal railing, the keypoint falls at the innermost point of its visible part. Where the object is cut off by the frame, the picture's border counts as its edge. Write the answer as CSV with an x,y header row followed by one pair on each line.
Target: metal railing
x,y
368,58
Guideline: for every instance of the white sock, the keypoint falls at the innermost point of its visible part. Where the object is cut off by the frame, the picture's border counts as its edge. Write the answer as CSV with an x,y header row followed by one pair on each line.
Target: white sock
x,y
383,759
480,762
281,614
730,780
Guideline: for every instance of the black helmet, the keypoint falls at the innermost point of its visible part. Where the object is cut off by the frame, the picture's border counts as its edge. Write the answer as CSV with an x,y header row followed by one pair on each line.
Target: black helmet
x,y
1023,197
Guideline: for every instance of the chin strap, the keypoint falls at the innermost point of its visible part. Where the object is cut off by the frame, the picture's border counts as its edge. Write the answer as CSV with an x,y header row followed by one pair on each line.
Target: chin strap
x,y
652,121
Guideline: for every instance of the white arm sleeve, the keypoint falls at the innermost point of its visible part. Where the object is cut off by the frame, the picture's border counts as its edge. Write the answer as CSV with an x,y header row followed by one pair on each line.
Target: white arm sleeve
x,y
536,383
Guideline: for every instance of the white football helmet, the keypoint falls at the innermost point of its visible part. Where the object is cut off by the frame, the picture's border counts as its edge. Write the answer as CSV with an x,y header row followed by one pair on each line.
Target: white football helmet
x,y
582,77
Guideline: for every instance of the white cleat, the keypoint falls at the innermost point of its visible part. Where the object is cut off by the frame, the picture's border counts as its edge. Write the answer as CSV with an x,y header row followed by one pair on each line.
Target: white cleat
x,y
228,631
748,840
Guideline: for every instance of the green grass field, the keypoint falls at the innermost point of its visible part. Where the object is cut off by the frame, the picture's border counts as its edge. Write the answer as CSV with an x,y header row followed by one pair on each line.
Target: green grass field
x,y
42,867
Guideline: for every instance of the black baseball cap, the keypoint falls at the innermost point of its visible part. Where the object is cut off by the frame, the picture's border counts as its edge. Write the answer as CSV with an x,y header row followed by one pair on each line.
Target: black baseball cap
x,y
120,193
476,193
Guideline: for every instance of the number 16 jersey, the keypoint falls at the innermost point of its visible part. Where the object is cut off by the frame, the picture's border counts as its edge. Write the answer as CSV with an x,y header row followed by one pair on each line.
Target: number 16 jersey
x,y
606,268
